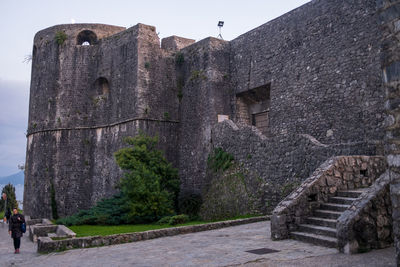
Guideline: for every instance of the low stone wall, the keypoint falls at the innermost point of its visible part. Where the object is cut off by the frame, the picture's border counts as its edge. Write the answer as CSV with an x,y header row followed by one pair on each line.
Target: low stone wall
x,y
37,221
338,173
367,224
44,227
36,231
46,244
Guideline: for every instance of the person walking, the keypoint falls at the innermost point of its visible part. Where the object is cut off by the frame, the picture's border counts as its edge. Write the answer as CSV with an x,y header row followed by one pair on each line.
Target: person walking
x,y
14,228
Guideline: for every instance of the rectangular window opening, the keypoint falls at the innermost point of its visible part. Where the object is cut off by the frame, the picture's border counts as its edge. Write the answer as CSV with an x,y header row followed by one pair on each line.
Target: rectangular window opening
x,y
253,107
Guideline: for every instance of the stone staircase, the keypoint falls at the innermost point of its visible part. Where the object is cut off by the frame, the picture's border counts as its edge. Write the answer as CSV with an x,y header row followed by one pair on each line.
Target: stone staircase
x,y
320,228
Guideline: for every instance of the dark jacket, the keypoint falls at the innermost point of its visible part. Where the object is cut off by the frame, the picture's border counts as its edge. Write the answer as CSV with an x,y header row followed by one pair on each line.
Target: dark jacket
x,y
15,225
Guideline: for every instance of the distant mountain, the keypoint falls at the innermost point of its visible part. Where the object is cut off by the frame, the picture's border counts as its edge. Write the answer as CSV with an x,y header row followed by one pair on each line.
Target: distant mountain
x,y
14,179
18,181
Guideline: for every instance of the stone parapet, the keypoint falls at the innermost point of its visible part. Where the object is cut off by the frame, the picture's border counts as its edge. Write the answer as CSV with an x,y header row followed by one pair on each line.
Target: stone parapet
x,y
367,223
47,245
337,173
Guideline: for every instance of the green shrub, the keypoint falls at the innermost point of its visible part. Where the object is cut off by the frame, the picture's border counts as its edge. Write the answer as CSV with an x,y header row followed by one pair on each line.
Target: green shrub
x,y
109,211
178,219
164,220
60,37
148,191
190,203
151,185
220,160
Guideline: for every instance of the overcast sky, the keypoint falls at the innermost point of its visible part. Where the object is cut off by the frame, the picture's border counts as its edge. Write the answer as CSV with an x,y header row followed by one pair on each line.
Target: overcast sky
x,y
20,20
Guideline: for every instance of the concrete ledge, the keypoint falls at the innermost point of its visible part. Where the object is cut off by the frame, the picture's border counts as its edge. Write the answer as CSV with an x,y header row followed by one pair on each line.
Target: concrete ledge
x,y
47,245
46,228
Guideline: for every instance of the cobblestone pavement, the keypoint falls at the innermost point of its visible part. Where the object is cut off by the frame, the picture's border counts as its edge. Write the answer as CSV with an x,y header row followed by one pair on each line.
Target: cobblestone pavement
x,y
223,247
7,256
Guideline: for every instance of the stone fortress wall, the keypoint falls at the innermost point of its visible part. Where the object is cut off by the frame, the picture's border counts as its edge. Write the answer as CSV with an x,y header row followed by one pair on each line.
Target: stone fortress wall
x,y
84,100
301,88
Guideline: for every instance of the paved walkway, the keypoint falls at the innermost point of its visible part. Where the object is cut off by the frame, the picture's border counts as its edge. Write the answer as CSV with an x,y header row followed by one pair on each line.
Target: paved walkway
x,y
223,247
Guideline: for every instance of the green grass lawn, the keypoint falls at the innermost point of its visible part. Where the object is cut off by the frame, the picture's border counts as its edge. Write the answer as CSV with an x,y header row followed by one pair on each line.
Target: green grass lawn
x,y
102,230
91,230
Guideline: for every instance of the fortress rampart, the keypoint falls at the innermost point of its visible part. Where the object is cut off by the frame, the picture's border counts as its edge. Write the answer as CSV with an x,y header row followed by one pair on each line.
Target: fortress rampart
x,y
299,89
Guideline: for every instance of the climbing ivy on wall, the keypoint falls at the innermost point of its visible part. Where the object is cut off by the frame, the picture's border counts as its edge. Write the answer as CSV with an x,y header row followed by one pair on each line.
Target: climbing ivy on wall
x,y
220,160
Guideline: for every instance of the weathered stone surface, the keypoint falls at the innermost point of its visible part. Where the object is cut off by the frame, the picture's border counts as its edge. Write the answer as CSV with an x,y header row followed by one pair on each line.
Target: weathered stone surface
x,y
314,74
368,224
313,193
389,14
45,228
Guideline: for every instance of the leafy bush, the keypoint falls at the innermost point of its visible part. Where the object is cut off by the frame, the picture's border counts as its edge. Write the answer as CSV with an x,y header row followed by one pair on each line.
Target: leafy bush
x,y
190,203
151,185
178,219
60,37
164,220
109,211
220,160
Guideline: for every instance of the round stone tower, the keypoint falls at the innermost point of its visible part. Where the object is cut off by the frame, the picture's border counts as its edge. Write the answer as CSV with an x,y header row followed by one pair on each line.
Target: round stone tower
x,y
92,85
69,98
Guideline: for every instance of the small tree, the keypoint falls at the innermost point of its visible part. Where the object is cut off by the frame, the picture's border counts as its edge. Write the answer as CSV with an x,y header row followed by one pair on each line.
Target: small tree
x,y
151,184
9,189
148,191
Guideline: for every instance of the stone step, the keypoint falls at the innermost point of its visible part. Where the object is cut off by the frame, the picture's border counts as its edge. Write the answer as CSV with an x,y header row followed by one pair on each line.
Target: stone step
x,y
341,200
350,193
328,214
321,222
315,239
333,206
316,229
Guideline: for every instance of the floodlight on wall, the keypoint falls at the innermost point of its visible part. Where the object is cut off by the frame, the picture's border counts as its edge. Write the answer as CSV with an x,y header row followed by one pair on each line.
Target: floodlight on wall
x,y
220,25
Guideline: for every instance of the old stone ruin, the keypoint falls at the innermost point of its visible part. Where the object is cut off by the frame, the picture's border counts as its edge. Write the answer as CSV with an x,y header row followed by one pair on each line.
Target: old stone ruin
x,y
299,102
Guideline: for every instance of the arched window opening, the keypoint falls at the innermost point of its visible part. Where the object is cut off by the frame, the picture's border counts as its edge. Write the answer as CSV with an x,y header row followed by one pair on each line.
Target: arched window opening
x,y
100,92
102,86
86,37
